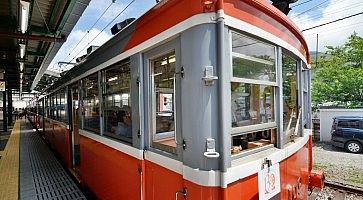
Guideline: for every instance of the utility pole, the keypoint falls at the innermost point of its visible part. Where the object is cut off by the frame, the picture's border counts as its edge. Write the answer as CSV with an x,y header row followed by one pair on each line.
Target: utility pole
x,y
317,50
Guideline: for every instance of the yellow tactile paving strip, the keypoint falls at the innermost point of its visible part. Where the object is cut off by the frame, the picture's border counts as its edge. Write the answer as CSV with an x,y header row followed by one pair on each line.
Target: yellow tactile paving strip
x,y
9,166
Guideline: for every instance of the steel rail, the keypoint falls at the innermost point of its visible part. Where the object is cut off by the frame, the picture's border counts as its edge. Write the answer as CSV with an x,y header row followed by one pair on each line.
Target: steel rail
x,y
344,187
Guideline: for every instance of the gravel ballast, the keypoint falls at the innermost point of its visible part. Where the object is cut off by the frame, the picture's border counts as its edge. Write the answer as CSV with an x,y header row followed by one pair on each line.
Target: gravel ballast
x,y
338,166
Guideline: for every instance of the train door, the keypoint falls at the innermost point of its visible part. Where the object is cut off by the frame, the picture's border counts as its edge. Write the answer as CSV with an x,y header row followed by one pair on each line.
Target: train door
x,y
75,125
163,177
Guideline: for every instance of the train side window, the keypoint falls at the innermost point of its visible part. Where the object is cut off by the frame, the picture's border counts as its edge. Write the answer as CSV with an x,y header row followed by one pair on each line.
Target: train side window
x,y
163,102
49,107
253,86
45,106
253,59
54,106
61,106
305,82
291,112
57,102
91,104
40,107
117,102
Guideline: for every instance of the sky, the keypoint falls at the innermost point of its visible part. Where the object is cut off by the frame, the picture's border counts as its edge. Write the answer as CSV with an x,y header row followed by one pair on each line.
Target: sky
x,y
87,31
314,12
323,11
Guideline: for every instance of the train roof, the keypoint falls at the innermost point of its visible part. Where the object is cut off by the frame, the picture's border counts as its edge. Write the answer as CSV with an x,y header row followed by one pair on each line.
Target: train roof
x,y
169,13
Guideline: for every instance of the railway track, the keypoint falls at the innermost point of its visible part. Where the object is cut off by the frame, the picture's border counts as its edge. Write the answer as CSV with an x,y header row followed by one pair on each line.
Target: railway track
x,y
344,187
337,191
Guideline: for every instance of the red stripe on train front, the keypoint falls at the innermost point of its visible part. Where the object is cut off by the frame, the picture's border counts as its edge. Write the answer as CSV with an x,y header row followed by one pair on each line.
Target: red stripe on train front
x,y
163,16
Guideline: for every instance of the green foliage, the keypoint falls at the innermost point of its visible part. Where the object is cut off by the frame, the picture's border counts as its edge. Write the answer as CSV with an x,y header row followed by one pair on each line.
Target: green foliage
x,y
339,75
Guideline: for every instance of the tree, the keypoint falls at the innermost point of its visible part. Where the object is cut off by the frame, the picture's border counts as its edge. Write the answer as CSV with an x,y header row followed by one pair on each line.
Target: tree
x,y
338,78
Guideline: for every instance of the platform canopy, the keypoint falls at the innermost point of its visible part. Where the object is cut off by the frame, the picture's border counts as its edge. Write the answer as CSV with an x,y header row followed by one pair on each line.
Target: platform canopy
x,y
31,33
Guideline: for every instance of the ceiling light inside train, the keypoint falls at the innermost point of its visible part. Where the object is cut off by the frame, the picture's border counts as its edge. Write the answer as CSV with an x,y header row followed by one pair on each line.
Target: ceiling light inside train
x,y
171,60
22,50
24,15
21,66
112,79
117,97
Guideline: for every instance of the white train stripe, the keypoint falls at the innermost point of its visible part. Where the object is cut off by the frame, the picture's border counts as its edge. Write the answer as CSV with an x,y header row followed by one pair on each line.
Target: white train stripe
x,y
124,148
166,162
242,168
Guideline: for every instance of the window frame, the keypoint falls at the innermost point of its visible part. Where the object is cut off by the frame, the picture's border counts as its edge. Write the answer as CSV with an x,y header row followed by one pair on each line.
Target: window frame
x,y
250,58
104,96
167,134
271,127
256,127
62,93
299,99
158,51
83,96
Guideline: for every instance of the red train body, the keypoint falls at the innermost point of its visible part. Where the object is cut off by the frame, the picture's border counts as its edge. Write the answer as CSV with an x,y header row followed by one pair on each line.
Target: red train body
x,y
146,168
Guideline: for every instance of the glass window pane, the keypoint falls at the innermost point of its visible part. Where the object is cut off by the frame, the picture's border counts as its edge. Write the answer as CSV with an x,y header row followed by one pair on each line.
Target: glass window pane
x,y
49,106
252,59
54,106
91,104
253,140
163,71
306,108
45,106
305,80
117,102
349,124
61,106
251,104
290,96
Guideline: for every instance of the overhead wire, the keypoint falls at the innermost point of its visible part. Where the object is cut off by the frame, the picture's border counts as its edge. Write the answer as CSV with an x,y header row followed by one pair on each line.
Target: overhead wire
x,y
84,36
333,12
312,8
122,11
332,21
332,30
301,3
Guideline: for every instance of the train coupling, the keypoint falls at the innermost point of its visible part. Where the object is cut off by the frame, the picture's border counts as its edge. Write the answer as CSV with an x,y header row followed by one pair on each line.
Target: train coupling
x,y
317,179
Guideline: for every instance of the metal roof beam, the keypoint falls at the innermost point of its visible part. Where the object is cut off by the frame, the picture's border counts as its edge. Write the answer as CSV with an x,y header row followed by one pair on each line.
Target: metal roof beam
x,y
72,6
32,37
66,13
39,54
39,30
54,12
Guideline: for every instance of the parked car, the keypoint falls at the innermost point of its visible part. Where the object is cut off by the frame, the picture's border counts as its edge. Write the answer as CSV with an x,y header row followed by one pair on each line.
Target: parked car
x,y
347,132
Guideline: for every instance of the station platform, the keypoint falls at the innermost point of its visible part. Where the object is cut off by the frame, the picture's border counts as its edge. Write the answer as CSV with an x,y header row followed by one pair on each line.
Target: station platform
x,y
30,171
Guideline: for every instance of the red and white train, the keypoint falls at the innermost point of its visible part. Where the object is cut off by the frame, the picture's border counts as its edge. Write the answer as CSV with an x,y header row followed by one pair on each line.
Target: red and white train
x,y
206,99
